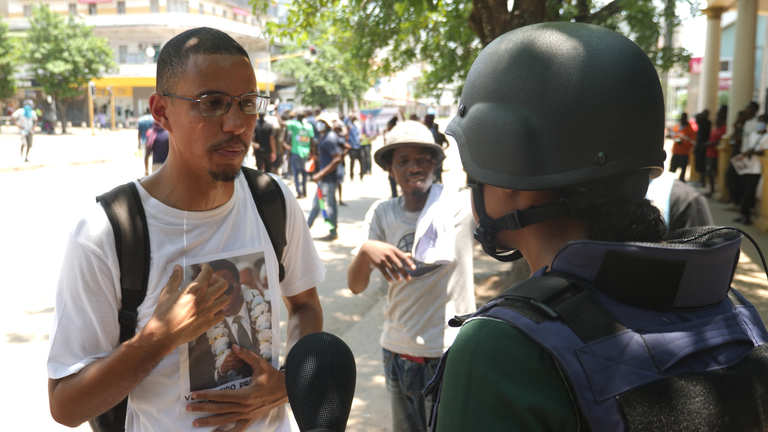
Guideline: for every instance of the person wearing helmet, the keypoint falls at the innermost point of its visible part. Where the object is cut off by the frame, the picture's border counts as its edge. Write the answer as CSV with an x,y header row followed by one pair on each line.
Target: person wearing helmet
x,y
421,242
620,327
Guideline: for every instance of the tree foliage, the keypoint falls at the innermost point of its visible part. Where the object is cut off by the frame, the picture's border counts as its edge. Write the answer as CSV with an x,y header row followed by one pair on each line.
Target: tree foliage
x,y
448,35
330,79
64,55
8,63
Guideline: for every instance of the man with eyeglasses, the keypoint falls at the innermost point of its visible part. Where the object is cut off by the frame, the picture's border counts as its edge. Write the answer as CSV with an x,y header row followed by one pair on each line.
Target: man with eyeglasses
x,y
198,209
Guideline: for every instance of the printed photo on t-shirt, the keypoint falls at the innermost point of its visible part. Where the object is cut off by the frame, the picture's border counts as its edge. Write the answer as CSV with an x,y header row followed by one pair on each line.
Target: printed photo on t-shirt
x,y
209,362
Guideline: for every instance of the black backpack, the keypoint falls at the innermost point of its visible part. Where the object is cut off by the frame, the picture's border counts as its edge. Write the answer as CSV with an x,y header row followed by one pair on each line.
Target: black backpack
x,y
129,223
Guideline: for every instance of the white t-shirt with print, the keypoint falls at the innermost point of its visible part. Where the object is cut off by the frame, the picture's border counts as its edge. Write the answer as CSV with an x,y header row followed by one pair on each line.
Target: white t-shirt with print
x,y
416,313
85,326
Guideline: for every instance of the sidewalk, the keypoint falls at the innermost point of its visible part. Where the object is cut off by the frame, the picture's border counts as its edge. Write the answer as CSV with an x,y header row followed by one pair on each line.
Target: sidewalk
x,y
78,147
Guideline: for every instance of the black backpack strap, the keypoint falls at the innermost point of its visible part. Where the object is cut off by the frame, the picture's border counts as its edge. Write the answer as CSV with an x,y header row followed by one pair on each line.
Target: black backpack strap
x,y
270,202
129,224
556,296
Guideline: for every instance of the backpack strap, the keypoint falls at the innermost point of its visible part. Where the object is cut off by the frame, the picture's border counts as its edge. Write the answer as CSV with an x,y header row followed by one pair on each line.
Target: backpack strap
x,y
270,202
555,296
129,224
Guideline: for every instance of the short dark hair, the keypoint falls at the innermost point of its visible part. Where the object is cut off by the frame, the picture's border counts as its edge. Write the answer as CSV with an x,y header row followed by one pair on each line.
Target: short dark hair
x,y
226,265
174,56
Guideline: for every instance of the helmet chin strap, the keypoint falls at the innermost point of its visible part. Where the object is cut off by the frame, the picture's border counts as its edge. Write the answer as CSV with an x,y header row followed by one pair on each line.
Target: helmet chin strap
x,y
487,228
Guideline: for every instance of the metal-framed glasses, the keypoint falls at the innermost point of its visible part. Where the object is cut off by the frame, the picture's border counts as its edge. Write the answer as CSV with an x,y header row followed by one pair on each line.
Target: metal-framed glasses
x,y
230,288
214,105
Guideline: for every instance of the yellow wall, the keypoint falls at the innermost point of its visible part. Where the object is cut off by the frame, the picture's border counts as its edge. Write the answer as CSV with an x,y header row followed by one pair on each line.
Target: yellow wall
x,y
128,82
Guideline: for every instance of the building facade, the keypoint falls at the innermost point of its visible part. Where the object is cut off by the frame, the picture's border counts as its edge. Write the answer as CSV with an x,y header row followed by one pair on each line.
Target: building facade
x,y
136,30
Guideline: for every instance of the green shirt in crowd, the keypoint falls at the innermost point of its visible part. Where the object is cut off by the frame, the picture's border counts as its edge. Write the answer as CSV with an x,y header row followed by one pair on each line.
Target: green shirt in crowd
x,y
499,379
301,135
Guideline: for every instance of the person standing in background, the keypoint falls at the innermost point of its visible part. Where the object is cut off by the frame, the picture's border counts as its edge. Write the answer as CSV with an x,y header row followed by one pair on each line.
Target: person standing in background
x,y
329,157
700,150
25,118
157,147
145,124
685,139
711,148
354,137
263,144
421,243
754,146
301,137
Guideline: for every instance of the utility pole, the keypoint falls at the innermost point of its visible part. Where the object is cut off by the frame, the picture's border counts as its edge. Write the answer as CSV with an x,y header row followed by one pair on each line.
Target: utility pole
x,y
112,104
91,95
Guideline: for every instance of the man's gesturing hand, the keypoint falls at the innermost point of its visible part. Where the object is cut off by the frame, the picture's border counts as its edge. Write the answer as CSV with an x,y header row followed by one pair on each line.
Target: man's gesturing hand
x,y
183,315
231,362
390,260
244,405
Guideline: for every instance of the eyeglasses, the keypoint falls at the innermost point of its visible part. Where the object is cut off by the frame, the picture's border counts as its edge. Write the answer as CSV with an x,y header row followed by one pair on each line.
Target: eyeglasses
x,y
215,105
230,289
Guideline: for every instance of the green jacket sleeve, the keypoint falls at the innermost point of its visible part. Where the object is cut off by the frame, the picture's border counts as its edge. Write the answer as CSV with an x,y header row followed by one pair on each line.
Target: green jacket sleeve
x,y
498,379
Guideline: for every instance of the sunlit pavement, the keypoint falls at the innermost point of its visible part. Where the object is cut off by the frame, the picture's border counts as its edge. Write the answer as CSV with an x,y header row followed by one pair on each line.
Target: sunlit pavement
x,y
43,199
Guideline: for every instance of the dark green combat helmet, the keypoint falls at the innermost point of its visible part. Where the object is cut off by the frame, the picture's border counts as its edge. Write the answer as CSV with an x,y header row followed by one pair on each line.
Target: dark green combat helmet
x,y
560,106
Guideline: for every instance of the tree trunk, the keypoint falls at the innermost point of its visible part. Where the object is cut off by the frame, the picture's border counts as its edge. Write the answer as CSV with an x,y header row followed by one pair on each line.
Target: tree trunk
x,y
62,105
492,18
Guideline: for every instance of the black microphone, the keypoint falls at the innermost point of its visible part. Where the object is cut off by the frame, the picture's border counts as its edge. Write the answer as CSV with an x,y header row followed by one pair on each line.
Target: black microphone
x,y
320,375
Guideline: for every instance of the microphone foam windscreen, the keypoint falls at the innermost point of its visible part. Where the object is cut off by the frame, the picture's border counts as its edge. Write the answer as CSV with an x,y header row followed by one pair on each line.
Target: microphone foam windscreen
x,y
320,375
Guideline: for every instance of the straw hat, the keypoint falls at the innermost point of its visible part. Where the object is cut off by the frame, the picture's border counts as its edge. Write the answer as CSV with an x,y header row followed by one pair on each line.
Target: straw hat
x,y
408,133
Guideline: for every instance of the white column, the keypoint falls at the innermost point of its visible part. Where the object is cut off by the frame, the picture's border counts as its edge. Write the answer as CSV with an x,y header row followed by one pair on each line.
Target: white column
x,y
743,87
709,82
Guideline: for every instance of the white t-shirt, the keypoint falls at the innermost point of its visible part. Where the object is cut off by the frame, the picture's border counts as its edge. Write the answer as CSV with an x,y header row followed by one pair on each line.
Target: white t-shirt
x,y
26,124
751,165
85,326
417,312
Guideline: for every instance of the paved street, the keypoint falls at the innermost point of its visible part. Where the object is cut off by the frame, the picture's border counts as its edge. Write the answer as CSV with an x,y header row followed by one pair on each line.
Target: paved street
x,y
43,199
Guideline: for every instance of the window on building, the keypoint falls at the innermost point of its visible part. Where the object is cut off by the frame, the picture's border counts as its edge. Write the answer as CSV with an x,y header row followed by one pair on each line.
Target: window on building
x,y
201,9
123,54
156,47
28,11
725,65
178,6
73,8
224,13
92,9
121,7
154,6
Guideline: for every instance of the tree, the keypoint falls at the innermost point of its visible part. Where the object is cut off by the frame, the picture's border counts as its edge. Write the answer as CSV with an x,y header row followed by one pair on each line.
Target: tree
x,y
64,55
8,62
330,79
449,34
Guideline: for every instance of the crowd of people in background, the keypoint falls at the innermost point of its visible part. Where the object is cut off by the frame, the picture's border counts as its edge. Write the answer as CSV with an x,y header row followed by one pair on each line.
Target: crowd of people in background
x,y
700,139
320,146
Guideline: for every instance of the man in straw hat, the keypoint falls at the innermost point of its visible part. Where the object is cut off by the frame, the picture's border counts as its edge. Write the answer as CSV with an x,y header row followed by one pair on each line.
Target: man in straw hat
x,y
422,244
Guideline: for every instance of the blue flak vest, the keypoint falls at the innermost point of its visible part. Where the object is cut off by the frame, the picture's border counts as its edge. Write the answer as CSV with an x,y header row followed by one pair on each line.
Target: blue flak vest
x,y
649,336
